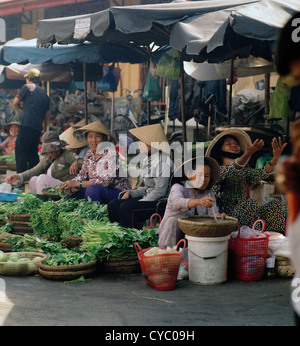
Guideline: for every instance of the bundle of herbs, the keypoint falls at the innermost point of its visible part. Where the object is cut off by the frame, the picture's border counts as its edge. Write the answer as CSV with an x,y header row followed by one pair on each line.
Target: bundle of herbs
x,y
105,240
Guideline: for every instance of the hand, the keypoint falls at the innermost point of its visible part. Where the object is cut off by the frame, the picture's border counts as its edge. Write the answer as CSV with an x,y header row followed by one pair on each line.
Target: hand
x,y
277,147
206,201
256,146
126,195
223,216
68,185
74,168
12,178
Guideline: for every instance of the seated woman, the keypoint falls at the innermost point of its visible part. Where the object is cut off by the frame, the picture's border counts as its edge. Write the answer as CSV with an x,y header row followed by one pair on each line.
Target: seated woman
x,y
99,178
56,166
8,145
190,195
233,150
137,205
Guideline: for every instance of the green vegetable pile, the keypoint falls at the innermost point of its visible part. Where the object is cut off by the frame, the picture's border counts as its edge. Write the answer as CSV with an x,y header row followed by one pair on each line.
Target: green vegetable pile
x,y
105,240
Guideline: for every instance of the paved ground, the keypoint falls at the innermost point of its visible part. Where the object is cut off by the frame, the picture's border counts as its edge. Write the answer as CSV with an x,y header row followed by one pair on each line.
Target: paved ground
x,y
126,300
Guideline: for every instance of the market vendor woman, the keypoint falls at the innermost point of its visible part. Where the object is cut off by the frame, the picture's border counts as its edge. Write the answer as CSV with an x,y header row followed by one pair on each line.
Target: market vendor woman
x,y
190,195
233,150
99,178
8,146
57,165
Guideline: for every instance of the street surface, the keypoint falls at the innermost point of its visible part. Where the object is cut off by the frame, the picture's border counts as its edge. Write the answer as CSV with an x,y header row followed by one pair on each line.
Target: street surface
x,y
126,300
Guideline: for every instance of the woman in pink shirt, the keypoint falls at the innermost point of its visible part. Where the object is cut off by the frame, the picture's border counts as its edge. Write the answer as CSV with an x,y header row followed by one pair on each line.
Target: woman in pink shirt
x,y
8,146
100,177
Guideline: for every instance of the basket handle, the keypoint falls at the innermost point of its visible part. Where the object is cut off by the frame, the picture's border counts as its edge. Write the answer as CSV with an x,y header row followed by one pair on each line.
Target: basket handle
x,y
263,224
138,250
184,244
151,226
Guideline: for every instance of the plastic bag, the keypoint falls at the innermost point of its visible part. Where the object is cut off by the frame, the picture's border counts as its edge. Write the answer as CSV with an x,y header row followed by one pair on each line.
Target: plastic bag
x,y
152,90
110,80
5,188
169,65
250,233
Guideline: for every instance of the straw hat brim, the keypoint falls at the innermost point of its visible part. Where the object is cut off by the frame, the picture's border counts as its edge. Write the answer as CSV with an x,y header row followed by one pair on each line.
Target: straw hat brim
x,y
46,150
241,136
152,135
95,126
215,169
7,126
73,143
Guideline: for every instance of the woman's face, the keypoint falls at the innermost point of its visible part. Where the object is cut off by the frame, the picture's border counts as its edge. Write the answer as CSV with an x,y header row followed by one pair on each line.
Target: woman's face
x,y
201,177
144,148
13,130
94,139
54,154
230,145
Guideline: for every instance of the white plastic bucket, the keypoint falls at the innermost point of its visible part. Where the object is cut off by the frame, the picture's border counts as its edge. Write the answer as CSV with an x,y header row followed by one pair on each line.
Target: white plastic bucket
x,y
208,258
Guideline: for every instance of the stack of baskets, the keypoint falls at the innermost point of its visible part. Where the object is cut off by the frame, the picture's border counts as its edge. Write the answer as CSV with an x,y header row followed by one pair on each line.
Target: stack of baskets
x,y
68,272
20,223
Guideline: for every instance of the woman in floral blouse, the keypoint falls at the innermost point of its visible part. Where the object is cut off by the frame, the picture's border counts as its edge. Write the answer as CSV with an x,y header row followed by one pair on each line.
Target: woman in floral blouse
x,y
100,177
233,150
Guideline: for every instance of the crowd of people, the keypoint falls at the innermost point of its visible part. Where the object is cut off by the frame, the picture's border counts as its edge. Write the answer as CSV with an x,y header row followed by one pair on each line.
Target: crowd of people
x,y
84,162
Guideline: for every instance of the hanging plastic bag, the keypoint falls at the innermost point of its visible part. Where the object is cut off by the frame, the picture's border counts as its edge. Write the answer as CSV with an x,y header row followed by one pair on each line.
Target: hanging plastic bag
x,y
110,79
152,89
169,65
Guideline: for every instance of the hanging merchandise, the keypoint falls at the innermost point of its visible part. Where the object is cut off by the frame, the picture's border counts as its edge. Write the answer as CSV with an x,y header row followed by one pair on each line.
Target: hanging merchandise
x,y
169,65
152,89
110,80
279,101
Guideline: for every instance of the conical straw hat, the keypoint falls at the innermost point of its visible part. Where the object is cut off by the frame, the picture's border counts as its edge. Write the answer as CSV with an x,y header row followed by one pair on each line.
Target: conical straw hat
x,y
152,135
95,126
215,169
240,135
73,143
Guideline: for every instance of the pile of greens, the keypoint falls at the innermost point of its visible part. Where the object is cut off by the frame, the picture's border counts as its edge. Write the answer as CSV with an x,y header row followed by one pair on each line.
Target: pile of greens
x,y
104,240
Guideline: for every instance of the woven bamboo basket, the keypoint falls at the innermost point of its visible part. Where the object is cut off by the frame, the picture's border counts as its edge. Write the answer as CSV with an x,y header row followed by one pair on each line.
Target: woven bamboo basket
x,y
21,228
127,265
5,247
22,268
206,226
73,241
69,268
19,217
51,195
65,275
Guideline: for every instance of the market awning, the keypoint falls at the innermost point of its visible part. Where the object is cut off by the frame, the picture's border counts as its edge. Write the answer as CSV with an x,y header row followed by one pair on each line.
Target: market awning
x,y
250,29
141,24
23,51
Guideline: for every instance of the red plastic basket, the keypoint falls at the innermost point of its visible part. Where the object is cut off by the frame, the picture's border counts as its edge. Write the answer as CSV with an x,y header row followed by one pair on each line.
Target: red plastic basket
x,y
247,257
160,271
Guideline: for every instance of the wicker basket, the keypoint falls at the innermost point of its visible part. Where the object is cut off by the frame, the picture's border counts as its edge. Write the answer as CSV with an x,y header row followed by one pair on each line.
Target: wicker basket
x,y
69,268
5,247
73,241
19,217
22,268
127,265
51,195
21,228
65,275
206,226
